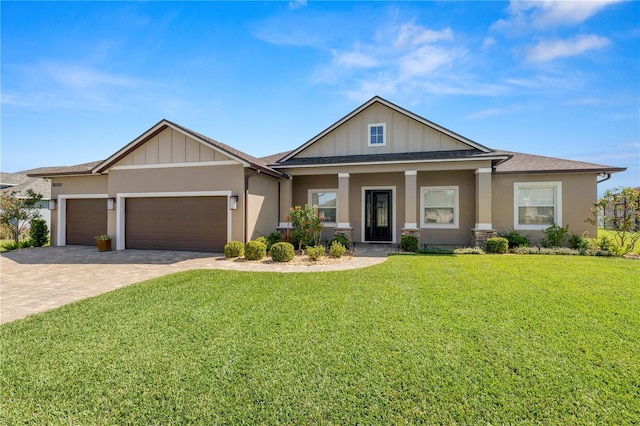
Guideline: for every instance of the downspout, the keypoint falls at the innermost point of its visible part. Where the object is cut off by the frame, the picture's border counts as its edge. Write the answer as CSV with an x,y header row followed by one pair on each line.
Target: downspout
x,y
608,176
246,204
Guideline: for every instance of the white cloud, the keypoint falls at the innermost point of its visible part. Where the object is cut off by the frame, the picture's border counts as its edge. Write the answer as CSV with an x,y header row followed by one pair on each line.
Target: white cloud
x,y
534,15
354,59
293,5
416,35
549,50
82,77
488,42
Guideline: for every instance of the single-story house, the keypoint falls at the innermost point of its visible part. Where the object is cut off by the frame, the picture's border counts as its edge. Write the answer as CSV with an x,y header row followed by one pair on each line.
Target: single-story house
x,y
376,174
17,184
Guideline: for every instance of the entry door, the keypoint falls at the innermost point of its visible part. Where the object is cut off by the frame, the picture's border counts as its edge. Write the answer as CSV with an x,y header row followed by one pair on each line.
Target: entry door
x,y
378,218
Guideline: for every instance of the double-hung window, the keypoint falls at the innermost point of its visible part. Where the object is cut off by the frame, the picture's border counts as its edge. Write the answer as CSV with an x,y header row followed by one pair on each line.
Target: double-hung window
x,y
439,207
377,134
537,205
325,201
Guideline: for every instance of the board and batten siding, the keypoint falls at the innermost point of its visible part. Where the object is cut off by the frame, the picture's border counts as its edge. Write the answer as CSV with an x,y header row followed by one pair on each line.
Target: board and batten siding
x,y
403,134
171,146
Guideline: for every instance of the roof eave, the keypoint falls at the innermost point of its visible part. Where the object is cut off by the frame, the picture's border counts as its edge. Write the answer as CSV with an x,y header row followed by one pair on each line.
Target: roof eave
x,y
521,172
375,163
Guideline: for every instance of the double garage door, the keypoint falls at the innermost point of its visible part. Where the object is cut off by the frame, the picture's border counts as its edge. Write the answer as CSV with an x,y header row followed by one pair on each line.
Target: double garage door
x,y
162,223
176,223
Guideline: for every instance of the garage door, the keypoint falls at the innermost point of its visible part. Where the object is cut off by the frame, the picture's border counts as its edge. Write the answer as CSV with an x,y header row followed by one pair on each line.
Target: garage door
x,y
86,218
176,223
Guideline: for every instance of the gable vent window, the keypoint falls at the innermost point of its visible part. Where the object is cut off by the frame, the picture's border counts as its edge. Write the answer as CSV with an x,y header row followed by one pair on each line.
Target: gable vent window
x,y
377,134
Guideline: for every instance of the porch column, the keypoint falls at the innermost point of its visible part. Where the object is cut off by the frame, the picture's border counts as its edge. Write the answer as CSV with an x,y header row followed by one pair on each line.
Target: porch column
x,y
483,227
344,225
410,204
286,199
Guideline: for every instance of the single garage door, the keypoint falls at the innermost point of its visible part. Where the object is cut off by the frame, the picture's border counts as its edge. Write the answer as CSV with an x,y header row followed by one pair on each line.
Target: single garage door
x,y
86,218
176,223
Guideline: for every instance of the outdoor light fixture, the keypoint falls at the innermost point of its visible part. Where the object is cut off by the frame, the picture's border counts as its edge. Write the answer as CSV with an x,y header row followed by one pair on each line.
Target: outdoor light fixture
x,y
233,202
52,204
111,202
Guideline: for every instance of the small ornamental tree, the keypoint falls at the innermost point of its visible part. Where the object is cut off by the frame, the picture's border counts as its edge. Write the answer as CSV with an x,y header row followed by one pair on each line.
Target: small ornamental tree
x,y
307,226
619,211
15,213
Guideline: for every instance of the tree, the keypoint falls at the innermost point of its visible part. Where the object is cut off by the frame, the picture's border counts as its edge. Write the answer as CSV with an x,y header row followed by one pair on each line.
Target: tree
x,y
619,211
17,212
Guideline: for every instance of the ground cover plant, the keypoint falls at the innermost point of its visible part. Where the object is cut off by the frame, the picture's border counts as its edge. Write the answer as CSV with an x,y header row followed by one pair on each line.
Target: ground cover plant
x,y
415,340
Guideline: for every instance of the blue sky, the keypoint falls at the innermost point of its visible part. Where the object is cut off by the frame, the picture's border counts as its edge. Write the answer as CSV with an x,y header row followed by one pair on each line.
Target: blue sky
x,y
81,80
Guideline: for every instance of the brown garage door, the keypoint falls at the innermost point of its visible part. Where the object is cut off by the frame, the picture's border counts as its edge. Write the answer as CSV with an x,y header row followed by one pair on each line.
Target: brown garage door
x,y
176,223
86,218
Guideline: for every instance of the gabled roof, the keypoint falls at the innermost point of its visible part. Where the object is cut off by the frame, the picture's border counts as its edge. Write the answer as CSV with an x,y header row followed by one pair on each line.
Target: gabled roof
x,y
98,167
246,159
378,99
18,183
528,163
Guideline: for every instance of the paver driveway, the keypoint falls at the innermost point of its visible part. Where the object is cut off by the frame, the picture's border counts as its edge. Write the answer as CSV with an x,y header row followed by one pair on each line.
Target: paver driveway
x,y
36,280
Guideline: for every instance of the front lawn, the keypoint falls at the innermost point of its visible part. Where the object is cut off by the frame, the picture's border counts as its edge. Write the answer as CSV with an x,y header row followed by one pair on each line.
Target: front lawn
x,y
417,339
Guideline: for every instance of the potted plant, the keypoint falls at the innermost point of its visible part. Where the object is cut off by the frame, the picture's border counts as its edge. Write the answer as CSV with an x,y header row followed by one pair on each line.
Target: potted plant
x,y
104,242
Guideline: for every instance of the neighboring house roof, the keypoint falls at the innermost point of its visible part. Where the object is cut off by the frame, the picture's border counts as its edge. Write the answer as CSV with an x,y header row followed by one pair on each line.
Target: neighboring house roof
x,y
528,163
18,183
78,169
378,99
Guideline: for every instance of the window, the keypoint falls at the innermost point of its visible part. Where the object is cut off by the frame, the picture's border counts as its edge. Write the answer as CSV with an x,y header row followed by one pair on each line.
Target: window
x,y
377,134
325,201
439,207
537,205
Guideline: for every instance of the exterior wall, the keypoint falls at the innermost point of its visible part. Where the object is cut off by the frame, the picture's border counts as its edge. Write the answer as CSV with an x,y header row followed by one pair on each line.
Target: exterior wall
x,y
171,146
181,179
73,185
301,187
579,193
403,134
263,206
466,182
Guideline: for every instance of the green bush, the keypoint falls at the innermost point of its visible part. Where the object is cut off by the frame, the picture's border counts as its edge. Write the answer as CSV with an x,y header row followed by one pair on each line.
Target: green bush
x,y
234,249
39,232
497,245
469,250
409,243
516,239
341,239
555,236
337,250
605,243
315,252
262,240
282,252
274,237
580,242
436,250
255,250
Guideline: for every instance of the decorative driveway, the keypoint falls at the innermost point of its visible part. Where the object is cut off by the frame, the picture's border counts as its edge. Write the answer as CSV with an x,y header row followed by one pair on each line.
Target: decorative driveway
x,y
39,279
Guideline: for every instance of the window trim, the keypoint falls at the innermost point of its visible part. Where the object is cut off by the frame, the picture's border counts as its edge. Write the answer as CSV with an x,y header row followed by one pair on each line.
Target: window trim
x,y
456,207
310,193
384,135
557,210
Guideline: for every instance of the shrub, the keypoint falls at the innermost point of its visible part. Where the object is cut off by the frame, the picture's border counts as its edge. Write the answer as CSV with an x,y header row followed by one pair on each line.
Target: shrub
x,y
10,245
282,252
274,237
315,252
307,226
436,250
234,249
341,239
497,245
605,243
555,236
39,232
580,242
262,240
255,250
336,250
409,243
469,250
516,239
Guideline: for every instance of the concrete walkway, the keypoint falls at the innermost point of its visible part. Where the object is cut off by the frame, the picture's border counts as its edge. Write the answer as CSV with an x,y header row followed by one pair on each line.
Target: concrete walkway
x,y
39,279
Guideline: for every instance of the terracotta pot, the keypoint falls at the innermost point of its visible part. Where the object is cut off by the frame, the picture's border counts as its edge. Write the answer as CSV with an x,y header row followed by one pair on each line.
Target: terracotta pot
x,y
104,245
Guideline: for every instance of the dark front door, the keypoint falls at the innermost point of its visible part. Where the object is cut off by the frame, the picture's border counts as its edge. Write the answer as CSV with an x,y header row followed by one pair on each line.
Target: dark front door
x,y
378,220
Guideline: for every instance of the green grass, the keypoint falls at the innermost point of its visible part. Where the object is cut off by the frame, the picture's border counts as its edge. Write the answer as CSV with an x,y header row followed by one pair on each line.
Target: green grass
x,y
418,339
612,235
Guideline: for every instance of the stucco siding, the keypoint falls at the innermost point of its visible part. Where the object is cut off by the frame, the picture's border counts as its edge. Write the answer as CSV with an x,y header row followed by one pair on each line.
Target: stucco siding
x,y
579,193
263,206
